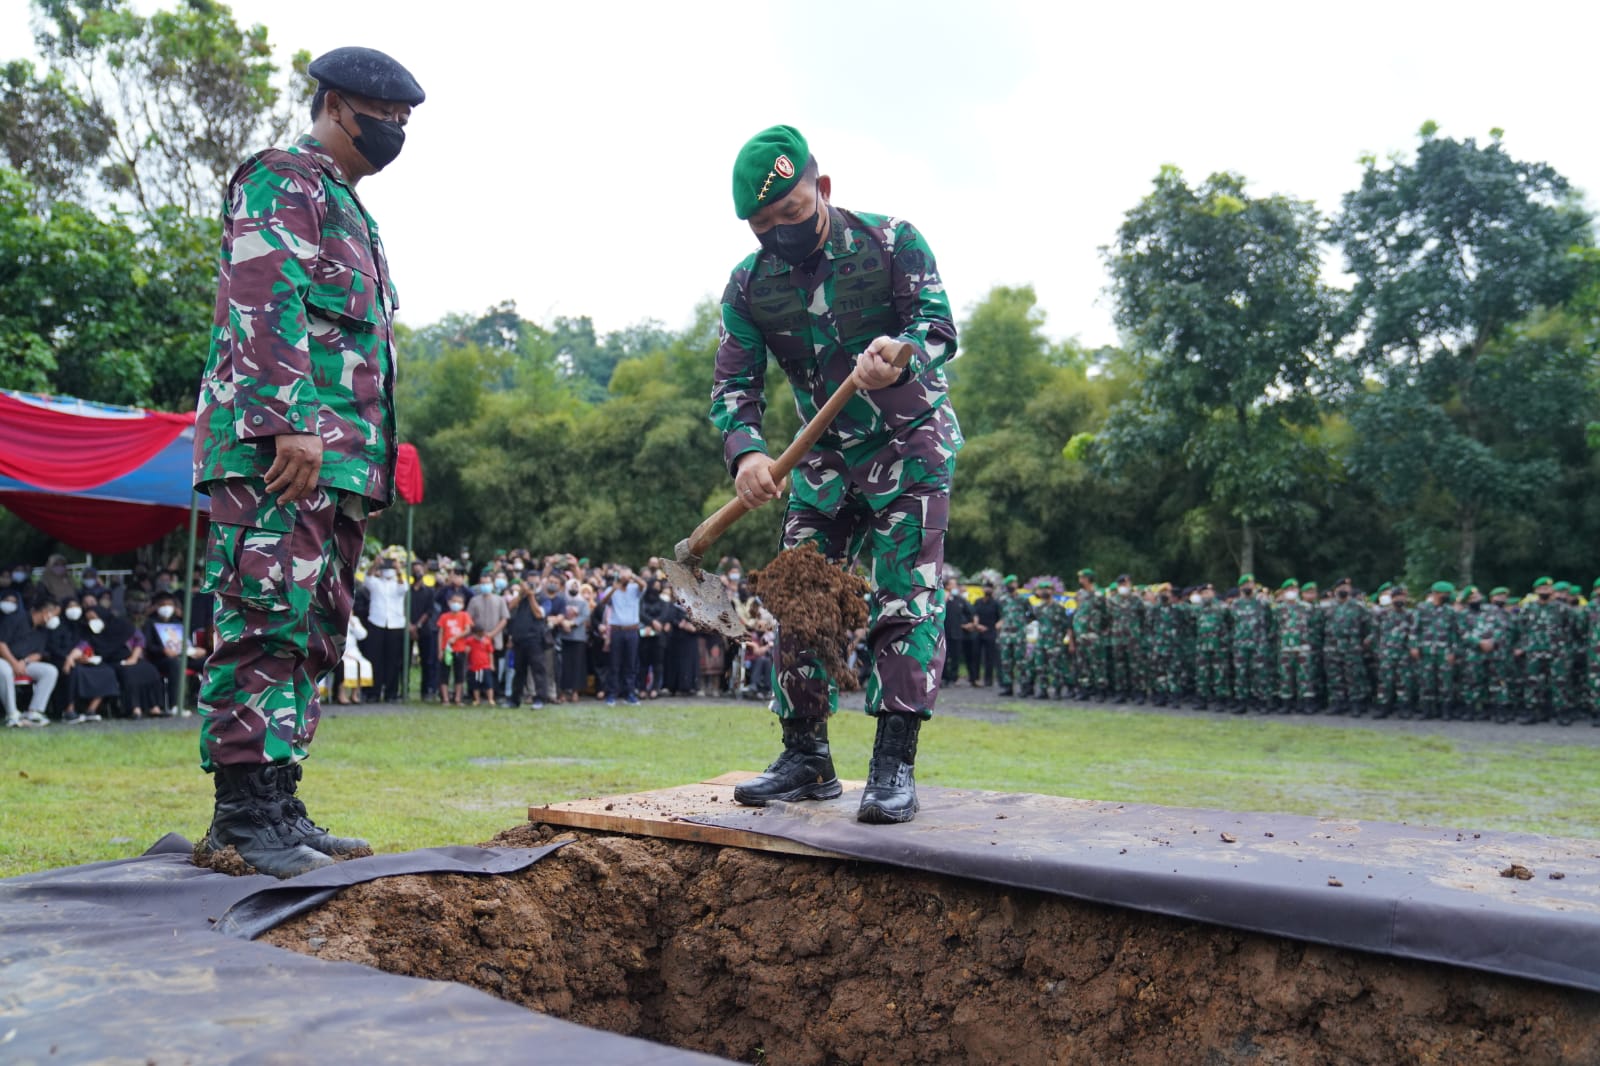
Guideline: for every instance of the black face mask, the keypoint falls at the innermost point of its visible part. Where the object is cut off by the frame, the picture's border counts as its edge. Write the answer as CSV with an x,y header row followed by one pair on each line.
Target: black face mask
x,y
380,139
793,242
1343,595
1474,606
1543,597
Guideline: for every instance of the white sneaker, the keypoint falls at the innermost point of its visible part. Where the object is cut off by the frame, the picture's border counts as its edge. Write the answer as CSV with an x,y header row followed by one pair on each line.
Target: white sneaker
x,y
183,712
15,722
37,718
91,717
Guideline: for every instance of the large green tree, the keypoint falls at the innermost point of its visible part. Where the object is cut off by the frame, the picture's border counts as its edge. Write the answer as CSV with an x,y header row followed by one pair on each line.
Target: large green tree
x,y
1453,251
154,111
1220,294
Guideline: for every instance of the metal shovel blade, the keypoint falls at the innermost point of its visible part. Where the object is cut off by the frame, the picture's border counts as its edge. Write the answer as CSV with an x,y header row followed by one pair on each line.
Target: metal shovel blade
x,y
705,599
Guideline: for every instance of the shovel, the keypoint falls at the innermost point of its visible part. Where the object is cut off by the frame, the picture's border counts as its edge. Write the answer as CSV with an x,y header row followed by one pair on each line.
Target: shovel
x,y
705,599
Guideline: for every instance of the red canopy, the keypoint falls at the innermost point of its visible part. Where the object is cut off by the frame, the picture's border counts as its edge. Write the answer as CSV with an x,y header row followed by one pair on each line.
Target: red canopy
x,y
61,450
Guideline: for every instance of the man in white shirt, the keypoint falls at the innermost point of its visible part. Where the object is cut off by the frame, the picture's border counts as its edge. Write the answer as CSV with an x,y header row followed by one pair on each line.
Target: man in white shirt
x,y
386,627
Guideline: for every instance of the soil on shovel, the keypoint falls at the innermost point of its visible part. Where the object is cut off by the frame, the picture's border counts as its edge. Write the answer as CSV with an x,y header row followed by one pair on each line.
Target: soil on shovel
x,y
806,962
818,605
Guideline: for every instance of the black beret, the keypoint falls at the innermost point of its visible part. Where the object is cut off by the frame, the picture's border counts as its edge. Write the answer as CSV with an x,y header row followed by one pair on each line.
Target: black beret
x,y
366,72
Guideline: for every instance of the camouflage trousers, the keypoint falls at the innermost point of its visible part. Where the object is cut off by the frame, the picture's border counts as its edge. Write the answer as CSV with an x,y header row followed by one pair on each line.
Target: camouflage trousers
x,y
1347,674
1435,678
1013,658
1591,682
282,613
1089,663
1475,683
1396,681
1251,669
1211,673
1123,658
1297,674
904,541
1052,665
1166,670
1544,683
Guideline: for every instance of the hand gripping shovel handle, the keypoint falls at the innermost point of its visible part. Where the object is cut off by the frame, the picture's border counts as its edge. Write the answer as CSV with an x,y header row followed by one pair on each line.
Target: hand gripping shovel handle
x,y
707,532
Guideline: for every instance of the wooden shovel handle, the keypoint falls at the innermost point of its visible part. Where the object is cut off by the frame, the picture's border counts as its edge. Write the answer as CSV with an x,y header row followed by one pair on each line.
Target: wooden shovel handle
x,y
707,532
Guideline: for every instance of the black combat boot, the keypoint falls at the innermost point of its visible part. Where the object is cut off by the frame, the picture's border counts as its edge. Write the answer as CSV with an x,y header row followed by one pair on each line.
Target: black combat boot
x,y
249,818
1309,707
310,834
1005,689
804,770
891,792
1027,690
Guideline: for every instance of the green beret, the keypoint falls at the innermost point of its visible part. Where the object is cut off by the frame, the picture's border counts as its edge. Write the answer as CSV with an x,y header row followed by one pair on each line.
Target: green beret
x,y
1290,584
1499,590
1596,583
1008,579
1386,586
768,167
1444,587
1247,578
1540,582
1309,586
1562,586
1088,573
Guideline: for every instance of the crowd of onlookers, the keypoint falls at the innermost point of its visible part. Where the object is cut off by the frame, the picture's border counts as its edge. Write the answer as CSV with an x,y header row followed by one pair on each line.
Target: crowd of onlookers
x,y
77,645
525,629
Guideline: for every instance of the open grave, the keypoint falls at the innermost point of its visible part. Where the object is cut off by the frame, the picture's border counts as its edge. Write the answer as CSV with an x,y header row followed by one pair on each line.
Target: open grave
x,y
994,929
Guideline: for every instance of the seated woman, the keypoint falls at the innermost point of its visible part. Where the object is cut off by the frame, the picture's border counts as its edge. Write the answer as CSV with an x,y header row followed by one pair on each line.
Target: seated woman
x,y
165,646
142,689
91,666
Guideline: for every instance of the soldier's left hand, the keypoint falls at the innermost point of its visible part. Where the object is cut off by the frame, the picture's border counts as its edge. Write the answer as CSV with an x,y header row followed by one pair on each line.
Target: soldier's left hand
x,y
296,463
873,369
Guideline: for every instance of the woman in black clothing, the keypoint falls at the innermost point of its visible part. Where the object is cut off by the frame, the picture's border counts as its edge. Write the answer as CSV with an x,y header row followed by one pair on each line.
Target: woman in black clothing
x,y
142,690
682,671
92,666
653,638
166,645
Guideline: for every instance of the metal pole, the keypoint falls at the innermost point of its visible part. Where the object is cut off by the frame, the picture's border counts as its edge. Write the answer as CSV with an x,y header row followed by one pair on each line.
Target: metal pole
x,y
188,599
405,637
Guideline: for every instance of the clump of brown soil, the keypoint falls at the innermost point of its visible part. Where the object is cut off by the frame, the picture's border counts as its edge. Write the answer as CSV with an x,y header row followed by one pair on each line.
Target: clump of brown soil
x,y
227,861
818,605
780,959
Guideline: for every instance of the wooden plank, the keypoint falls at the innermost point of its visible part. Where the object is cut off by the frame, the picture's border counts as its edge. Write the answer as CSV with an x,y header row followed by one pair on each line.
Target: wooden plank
x,y
666,812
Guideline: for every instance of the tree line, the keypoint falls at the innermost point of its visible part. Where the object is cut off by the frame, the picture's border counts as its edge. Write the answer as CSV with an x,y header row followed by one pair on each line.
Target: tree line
x,y
1433,416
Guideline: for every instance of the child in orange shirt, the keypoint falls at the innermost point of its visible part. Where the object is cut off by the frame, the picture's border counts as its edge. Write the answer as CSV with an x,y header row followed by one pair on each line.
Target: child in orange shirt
x,y
454,626
480,660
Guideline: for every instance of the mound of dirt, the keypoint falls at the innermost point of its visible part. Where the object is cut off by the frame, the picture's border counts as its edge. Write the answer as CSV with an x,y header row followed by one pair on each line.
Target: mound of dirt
x,y
779,959
818,605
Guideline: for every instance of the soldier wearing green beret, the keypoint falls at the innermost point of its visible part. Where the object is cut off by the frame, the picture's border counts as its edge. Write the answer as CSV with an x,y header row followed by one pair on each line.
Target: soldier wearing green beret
x,y
1589,638
1541,630
1349,635
1126,617
1502,664
1212,623
1396,675
1438,634
1292,620
1252,644
831,295
1015,614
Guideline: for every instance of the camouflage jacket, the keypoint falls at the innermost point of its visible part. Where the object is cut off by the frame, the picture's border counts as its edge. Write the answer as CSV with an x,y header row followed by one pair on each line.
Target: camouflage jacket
x,y
1213,623
1126,614
1015,614
876,277
1349,626
1396,629
1053,623
1544,629
1489,623
1252,622
1437,626
1091,618
1295,621
302,340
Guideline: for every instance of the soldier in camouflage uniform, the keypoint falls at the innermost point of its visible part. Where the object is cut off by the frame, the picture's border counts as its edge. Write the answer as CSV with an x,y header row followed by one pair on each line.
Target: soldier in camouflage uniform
x,y
1396,624
1588,629
1543,628
294,443
1252,643
1569,655
1482,633
1089,624
1346,638
1310,594
1052,664
1434,650
830,295
1125,613
1164,639
1501,659
1293,619
1015,614
1213,649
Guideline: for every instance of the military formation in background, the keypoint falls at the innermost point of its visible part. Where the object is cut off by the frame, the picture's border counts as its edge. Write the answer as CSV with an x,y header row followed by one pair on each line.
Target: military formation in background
x,y
1457,654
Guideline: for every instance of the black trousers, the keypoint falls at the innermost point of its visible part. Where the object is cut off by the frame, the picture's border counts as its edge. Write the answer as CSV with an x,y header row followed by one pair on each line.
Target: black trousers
x,y
987,658
955,649
428,651
624,662
529,658
384,646
652,661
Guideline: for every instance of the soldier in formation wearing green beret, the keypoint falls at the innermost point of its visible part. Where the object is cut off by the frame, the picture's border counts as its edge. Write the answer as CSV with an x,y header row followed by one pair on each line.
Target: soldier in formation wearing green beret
x,y
1126,615
1089,624
1293,620
1252,646
1015,614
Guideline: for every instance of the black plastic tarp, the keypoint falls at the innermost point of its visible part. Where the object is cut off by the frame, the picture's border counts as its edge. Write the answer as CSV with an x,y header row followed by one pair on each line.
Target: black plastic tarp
x,y
1415,892
123,962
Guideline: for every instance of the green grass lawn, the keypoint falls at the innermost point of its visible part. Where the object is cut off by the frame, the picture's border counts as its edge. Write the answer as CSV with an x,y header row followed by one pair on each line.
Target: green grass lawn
x,y
419,777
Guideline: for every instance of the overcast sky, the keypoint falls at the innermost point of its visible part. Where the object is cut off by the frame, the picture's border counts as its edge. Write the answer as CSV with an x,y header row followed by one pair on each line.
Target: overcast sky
x,y
577,157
